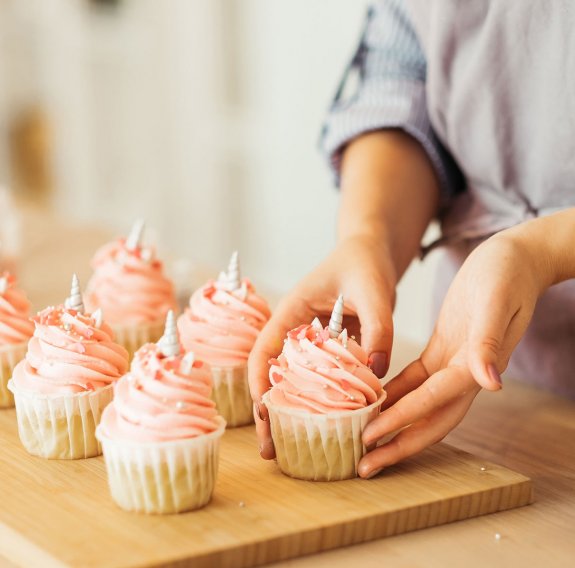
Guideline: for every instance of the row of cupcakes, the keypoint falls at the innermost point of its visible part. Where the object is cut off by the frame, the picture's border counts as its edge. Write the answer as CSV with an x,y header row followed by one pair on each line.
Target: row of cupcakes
x,y
221,323
322,397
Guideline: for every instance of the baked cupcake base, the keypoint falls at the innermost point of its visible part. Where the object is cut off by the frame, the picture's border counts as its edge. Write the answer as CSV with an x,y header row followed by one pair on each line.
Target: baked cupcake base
x,y
319,447
60,426
163,477
133,336
231,393
10,356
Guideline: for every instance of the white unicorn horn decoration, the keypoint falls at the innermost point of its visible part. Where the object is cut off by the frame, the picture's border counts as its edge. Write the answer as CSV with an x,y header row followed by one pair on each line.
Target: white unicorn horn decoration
x,y
3,284
134,239
74,300
335,323
233,278
169,344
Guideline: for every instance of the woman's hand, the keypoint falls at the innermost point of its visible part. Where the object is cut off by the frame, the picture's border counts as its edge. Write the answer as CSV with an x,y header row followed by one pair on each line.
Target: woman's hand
x,y
484,315
383,174
360,268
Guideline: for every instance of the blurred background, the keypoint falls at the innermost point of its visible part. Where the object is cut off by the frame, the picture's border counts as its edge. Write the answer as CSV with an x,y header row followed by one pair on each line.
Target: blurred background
x,y
202,116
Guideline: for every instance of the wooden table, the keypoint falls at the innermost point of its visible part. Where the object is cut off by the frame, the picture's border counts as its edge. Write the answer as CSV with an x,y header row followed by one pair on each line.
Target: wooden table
x,y
524,429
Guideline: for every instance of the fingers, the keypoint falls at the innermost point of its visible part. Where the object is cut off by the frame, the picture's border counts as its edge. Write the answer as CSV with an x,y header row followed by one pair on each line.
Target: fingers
x,y
269,344
263,432
488,328
422,434
412,377
374,305
437,391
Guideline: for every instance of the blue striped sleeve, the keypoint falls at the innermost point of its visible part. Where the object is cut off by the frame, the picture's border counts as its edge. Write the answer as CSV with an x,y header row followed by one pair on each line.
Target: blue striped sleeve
x,y
389,69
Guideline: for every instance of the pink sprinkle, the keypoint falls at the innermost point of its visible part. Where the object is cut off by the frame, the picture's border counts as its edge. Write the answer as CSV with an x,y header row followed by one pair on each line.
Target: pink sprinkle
x,y
277,378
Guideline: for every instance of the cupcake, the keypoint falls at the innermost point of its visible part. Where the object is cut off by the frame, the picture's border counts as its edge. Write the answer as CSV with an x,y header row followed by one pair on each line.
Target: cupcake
x,y
323,395
161,433
65,381
221,326
16,328
129,285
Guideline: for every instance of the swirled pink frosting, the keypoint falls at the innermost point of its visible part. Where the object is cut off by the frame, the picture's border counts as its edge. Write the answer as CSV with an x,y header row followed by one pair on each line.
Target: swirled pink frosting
x,y
160,401
319,374
15,323
69,354
220,326
129,285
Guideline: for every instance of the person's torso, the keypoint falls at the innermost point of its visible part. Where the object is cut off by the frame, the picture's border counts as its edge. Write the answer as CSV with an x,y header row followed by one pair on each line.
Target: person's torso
x,y
501,96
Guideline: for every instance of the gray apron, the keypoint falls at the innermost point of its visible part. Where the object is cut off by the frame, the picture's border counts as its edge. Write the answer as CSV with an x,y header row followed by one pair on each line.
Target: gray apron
x,y
500,90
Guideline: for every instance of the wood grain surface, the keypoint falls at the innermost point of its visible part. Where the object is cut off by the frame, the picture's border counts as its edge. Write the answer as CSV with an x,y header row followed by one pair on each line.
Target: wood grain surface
x,y
58,513
520,427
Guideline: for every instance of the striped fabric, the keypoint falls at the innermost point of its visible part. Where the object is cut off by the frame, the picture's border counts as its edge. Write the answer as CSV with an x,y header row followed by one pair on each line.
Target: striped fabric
x,y
389,68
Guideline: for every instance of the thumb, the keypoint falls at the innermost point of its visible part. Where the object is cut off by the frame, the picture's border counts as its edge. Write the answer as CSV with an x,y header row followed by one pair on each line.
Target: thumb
x,y
486,340
374,310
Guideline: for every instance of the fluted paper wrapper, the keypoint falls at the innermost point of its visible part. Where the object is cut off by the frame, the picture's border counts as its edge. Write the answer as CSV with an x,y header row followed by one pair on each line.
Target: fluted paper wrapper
x,y
10,356
231,393
133,336
319,447
60,426
163,477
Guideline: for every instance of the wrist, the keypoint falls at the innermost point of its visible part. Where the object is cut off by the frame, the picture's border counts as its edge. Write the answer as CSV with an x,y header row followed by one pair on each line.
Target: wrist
x,y
378,253
546,244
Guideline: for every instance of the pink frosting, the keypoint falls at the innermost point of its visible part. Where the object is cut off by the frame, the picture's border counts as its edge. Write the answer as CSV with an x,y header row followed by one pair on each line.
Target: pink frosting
x,y
319,374
129,286
159,401
15,323
69,354
221,327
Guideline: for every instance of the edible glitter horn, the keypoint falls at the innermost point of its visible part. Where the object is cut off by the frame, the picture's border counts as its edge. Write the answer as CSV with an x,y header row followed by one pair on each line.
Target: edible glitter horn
x,y
335,323
169,343
74,300
134,239
3,284
233,279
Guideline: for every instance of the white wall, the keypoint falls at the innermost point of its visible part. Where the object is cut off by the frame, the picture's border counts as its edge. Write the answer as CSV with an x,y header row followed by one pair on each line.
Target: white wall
x,y
203,116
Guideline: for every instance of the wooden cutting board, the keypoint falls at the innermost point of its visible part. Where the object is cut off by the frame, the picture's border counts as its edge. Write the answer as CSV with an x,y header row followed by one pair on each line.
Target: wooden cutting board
x,y
58,513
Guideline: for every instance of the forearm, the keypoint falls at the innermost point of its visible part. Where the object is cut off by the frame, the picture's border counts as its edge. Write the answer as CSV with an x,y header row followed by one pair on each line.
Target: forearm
x,y
389,193
550,242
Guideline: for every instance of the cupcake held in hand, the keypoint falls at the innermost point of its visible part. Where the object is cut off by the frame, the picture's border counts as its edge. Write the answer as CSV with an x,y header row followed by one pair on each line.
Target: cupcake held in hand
x,y
16,328
129,285
323,395
161,433
65,381
221,326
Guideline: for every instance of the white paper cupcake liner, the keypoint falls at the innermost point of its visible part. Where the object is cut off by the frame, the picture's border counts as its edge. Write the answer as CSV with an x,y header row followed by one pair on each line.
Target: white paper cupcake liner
x,y
10,356
60,426
133,336
231,393
319,447
163,477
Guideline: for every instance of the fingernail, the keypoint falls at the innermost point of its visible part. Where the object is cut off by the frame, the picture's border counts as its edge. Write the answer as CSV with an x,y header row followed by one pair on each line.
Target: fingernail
x,y
258,411
494,375
374,473
378,363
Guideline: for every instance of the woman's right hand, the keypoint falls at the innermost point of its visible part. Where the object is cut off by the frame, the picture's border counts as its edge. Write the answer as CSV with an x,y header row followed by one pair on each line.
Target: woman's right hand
x,y
361,269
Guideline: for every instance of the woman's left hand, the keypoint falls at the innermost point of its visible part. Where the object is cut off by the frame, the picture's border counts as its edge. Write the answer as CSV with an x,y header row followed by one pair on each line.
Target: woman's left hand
x,y
485,313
